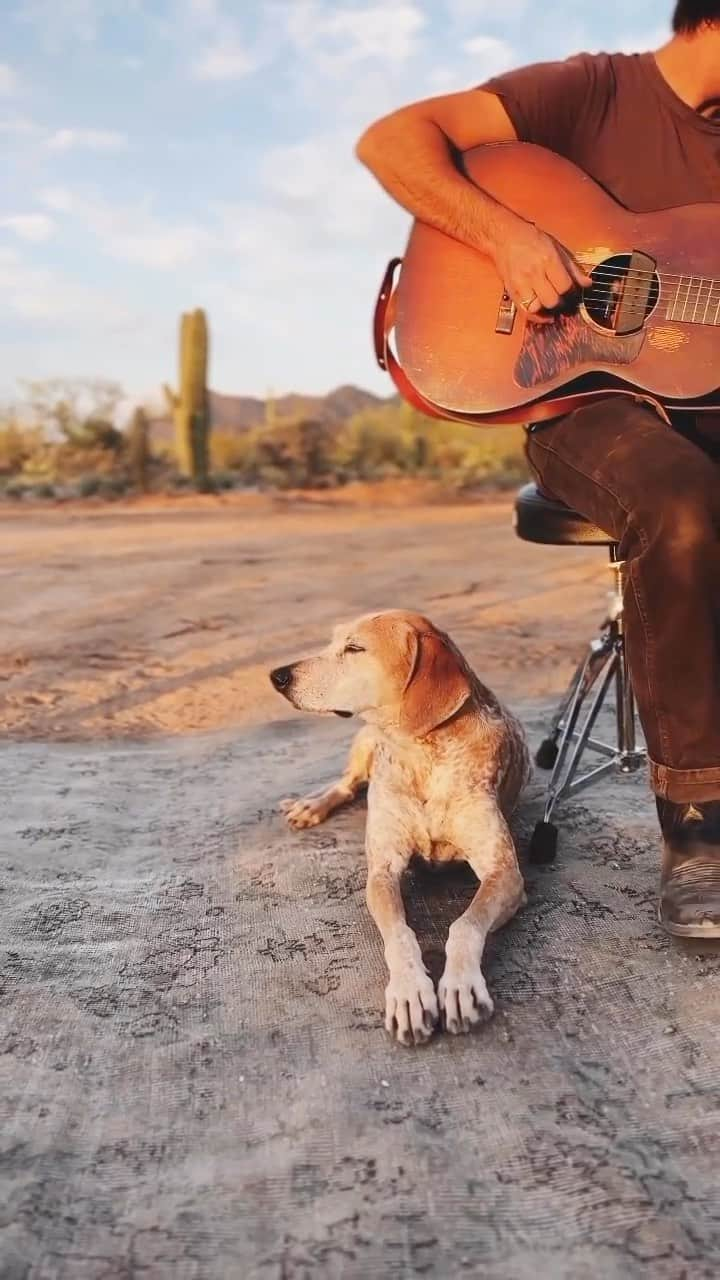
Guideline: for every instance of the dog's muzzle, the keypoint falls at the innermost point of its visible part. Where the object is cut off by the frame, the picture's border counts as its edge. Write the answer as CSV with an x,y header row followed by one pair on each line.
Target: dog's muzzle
x,y
282,679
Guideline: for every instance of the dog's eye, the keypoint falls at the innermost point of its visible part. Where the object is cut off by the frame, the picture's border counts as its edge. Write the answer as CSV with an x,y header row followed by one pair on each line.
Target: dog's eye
x,y
353,648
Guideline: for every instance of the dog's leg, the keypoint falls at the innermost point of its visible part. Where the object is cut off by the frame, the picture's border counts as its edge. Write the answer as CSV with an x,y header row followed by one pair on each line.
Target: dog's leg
x,y
411,1009
311,810
488,846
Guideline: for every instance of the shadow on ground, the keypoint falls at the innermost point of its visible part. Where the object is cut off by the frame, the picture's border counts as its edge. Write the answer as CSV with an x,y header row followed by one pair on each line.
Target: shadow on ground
x,y
194,1082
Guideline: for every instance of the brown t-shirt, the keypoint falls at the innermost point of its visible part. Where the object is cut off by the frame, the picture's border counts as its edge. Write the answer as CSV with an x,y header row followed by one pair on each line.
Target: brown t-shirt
x,y
616,117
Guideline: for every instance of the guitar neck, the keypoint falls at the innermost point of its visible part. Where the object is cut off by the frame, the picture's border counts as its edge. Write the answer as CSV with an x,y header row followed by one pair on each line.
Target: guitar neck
x,y
691,300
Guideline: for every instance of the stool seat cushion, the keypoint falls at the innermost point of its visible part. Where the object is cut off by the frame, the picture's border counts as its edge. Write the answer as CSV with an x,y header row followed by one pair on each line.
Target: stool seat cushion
x,y
539,518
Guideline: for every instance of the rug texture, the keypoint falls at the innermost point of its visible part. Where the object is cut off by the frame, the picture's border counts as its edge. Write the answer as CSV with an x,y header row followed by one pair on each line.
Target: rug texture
x,y
194,1079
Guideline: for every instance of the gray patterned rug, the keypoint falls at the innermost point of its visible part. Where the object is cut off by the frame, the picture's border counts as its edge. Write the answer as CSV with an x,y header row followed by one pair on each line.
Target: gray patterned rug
x,y
194,1082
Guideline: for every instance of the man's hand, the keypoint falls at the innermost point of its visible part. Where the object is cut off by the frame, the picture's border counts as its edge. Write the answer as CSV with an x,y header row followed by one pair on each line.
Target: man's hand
x,y
538,273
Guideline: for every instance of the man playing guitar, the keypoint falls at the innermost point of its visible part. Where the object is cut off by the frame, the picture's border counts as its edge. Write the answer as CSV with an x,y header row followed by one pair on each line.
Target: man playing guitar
x,y
646,127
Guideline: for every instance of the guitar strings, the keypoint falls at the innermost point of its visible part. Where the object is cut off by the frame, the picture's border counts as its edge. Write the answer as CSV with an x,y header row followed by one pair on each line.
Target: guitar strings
x,y
619,273
604,277
684,282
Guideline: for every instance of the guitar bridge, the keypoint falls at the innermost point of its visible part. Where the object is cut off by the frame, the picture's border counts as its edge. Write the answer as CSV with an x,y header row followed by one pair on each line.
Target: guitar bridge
x,y
507,312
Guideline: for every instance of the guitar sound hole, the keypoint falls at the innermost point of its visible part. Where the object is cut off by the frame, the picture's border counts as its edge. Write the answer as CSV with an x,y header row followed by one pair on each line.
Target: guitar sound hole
x,y
609,278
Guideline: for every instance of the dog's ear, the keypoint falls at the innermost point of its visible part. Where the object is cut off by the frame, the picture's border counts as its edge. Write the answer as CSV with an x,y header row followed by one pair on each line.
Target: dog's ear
x,y
436,687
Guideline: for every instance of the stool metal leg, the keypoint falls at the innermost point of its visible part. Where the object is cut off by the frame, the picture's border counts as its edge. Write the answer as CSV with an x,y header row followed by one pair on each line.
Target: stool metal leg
x,y
630,759
571,731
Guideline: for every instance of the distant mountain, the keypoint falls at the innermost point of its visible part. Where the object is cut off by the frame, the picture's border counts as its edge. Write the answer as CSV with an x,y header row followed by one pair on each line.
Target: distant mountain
x,y
234,414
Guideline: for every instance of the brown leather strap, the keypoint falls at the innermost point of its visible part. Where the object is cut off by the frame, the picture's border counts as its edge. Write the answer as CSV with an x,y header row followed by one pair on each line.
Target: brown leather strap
x,y
527,414
383,322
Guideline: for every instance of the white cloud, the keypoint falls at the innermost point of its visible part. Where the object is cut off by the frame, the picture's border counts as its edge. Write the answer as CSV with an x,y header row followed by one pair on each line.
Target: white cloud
x,y
652,38
28,226
219,49
223,62
320,185
8,78
313,242
131,234
87,139
377,31
155,244
485,45
40,294
338,39
470,12
57,198
490,55
18,124
69,22
203,10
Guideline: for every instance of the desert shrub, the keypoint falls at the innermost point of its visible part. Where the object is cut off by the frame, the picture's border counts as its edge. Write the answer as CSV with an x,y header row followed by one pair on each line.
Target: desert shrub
x,y
270,477
76,445
296,453
397,440
370,442
388,442
232,452
224,480
113,486
17,446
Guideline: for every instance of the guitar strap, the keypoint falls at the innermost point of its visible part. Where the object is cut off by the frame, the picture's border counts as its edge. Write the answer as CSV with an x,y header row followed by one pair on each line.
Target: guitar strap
x,y
536,412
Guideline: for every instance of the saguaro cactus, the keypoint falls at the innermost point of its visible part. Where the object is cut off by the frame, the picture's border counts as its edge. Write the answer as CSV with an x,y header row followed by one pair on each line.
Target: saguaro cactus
x,y
139,449
190,407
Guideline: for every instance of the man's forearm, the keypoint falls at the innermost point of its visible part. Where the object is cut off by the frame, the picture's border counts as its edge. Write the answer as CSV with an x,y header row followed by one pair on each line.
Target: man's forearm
x,y
412,154
413,161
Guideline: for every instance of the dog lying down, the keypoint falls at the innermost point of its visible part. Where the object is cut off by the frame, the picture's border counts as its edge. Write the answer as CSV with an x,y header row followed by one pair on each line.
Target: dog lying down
x,y
445,763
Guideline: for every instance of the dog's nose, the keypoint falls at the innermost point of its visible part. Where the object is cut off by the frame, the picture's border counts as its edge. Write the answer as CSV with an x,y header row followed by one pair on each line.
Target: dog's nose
x,y
281,678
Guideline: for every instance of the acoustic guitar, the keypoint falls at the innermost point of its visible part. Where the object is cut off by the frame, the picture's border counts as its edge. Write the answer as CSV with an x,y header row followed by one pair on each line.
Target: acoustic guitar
x,y
649,325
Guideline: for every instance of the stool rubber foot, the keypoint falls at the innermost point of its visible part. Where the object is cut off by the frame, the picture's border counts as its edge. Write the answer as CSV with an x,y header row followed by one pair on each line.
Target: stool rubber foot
x,y
547,754
542,850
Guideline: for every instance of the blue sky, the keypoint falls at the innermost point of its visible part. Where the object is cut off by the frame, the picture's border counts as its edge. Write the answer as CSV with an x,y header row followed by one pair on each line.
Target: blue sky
x,y
166,154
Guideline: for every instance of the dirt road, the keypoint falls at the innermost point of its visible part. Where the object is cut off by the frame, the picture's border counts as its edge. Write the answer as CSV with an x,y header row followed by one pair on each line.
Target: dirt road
x,y
165,616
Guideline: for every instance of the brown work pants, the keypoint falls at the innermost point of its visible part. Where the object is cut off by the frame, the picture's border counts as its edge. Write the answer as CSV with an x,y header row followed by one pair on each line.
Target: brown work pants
x,y
656,490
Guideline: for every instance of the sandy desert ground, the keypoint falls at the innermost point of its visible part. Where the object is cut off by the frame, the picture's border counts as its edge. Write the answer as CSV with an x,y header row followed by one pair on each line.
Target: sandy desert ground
x,y
164,616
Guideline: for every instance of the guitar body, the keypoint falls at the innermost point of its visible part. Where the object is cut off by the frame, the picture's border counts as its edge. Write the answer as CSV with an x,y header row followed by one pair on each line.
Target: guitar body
x,y
665,341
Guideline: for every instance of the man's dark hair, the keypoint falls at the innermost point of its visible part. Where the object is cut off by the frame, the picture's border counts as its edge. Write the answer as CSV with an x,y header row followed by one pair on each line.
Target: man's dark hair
x,y
691,14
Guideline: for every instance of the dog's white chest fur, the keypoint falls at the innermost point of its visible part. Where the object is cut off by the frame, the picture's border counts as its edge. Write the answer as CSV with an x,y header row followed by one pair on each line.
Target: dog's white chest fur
x,y
428,792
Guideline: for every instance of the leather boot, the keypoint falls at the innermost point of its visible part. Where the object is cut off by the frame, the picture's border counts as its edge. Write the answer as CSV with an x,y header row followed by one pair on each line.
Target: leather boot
x,y
690,879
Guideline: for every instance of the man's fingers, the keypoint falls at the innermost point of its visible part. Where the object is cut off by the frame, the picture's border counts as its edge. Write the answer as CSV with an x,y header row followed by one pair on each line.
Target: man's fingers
x,y
537,312
560,278
548,295
526,299
535,293
579,274
546,292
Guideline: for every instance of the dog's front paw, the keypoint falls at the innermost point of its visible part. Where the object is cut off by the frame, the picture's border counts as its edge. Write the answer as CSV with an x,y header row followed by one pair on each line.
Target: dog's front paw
x,y
464,998
309,811
411,1007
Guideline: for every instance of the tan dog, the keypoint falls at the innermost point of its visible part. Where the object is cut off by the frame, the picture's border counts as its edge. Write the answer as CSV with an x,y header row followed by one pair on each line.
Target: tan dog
x,y
445,764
